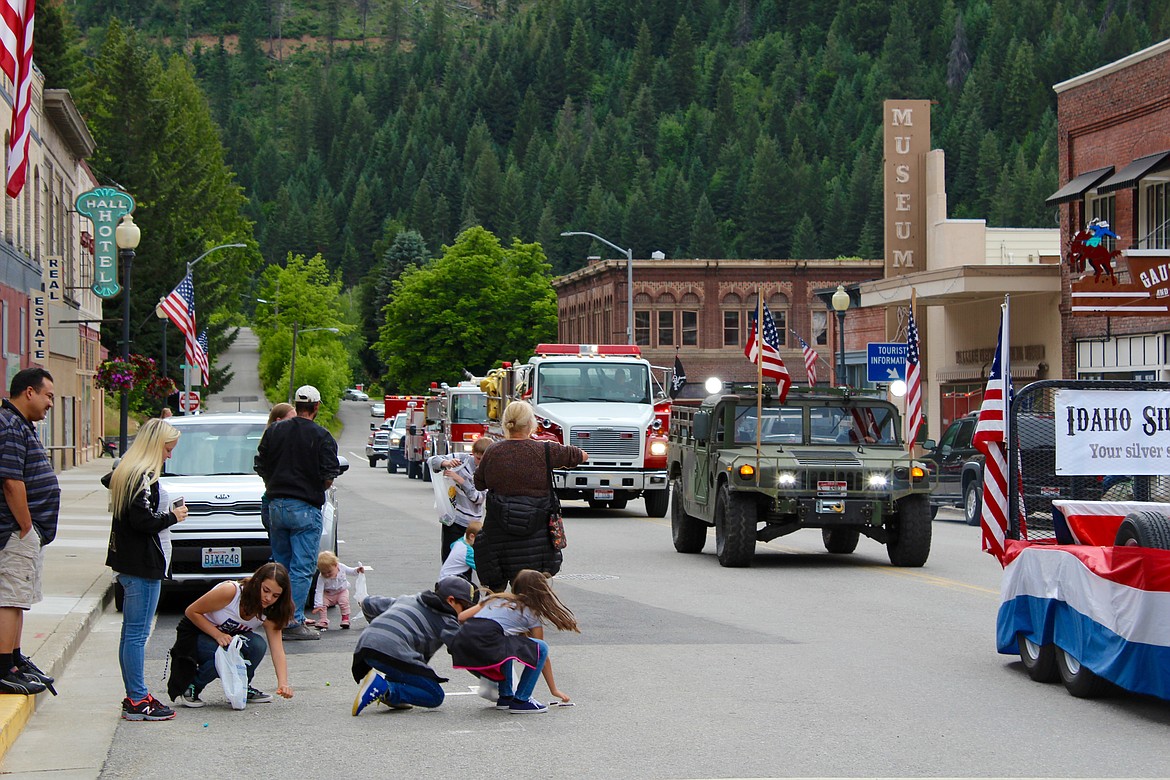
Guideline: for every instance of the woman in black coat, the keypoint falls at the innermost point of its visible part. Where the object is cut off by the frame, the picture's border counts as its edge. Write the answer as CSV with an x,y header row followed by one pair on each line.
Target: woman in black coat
x,y
515,525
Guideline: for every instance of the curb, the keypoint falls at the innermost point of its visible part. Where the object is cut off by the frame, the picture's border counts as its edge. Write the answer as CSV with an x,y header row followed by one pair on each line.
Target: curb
x,y
54,655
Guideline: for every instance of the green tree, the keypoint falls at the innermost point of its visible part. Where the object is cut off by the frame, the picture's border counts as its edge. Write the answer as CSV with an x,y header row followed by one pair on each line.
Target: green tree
x,y
464,310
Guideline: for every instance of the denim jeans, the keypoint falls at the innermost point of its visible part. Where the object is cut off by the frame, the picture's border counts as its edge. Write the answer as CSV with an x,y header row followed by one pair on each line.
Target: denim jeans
x,y
255,646
138,608
407,688
295,535
528,677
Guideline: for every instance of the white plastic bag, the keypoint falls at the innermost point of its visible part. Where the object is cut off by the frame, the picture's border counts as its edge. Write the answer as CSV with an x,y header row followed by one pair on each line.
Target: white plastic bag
x,y
360,591
233,672
444,492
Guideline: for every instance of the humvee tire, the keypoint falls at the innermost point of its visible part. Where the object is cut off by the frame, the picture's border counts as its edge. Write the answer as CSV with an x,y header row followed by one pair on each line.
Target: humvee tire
x,y
909,540
689,533
735,528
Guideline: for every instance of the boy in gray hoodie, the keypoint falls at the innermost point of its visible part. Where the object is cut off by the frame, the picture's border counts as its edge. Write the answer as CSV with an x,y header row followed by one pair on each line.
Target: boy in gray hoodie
x,y
465,499
390,662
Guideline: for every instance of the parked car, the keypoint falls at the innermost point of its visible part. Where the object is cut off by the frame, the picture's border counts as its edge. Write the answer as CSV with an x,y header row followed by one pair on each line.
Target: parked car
x,y
212,470
385,443
958,469
353,394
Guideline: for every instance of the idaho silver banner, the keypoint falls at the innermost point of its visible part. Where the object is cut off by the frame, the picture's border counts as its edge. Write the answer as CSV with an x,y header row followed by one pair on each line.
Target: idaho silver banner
x,y
1101,432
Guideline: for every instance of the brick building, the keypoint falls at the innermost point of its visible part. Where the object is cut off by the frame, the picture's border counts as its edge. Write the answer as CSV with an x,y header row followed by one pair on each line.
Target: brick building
x,y
1114,150
699,310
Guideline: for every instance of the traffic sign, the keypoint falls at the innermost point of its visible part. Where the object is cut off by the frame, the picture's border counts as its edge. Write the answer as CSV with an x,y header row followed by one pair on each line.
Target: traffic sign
x,y
189,402
885,362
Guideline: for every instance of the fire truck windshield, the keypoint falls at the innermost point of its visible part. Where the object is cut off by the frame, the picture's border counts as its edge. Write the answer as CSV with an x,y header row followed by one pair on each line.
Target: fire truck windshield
x,y
468,408
582,382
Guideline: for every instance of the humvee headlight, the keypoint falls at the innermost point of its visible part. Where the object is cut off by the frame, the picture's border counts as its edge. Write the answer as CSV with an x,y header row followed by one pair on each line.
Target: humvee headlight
x,y
658,448
713,385
877,482
747,471
917,473
786,479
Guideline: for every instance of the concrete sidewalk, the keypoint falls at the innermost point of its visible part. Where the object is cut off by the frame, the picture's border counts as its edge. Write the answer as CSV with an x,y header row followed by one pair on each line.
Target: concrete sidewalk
x,y
76,586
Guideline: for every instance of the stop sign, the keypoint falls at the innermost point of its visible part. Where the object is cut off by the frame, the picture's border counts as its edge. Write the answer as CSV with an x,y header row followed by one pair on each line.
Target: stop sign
x,y
189,402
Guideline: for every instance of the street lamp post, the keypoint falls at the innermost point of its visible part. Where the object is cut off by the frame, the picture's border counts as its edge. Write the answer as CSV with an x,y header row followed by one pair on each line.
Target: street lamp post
x,y
162,315
292,365
185,404
126,236
840,305
629,253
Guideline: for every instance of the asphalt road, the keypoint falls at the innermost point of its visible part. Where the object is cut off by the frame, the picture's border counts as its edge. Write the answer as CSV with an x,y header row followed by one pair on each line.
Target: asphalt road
x,y
805,665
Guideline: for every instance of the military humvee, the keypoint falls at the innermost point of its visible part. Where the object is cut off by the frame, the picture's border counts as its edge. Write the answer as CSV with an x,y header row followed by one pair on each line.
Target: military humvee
x,y
827,458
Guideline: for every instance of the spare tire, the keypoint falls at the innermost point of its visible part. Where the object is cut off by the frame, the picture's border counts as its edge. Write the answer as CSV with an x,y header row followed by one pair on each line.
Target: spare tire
x,y
1144,529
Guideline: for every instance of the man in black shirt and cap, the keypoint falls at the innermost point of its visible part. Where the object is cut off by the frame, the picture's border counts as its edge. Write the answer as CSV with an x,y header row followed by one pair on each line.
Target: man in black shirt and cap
x,y
297,459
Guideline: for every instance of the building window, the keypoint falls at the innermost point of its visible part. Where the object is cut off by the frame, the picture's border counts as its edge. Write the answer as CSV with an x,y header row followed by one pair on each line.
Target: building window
x,y
690,328
642,328
1104,209
820,328
1155,233
731,328
666,328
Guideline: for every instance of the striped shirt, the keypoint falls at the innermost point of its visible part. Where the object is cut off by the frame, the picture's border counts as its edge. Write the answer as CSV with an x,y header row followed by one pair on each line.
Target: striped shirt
x,y
23,458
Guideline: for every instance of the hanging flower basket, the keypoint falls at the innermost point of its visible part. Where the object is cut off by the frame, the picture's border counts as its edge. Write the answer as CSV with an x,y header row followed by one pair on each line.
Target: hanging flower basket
x,y
137,376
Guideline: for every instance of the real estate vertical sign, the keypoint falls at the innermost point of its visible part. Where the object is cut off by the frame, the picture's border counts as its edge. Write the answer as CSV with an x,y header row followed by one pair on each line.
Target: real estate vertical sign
x,y
906,125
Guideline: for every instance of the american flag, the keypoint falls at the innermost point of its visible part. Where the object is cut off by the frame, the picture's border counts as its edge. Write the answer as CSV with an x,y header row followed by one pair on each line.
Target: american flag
x,y
202,356
772,365
16,63
913,383
991,439
810,361
180,308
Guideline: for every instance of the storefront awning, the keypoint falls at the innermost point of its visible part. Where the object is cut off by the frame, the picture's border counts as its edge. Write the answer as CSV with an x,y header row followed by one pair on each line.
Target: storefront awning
x,y
1021,369
1130,175
1076,188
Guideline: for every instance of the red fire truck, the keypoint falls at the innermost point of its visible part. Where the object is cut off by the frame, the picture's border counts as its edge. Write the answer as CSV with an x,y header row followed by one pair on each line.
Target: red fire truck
x,y
457,415
604,398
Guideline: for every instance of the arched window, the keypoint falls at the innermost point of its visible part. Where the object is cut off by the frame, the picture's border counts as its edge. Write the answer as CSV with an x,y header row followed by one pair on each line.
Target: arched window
x,y
733,320
642,305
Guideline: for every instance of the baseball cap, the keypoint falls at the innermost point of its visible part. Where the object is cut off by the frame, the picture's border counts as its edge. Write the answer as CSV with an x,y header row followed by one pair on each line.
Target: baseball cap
x,y
308,394
459,588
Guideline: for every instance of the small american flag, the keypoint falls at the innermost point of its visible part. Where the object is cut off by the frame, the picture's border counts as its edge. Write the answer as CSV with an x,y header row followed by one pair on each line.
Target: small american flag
x,y
202,357
913,383
772,365
991,439
810,361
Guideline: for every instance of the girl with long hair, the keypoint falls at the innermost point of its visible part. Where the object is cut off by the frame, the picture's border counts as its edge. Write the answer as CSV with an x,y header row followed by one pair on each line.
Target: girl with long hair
x,y
141,513
233,609
510,626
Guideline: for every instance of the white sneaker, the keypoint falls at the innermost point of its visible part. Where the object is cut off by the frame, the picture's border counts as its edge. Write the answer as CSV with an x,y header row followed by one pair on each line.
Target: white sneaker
x,y
488,689
191,699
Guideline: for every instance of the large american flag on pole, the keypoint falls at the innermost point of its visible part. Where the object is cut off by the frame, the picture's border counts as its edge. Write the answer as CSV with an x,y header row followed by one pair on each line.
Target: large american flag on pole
x,y
16,63
991,439
810,361
913,382
180,309
771,365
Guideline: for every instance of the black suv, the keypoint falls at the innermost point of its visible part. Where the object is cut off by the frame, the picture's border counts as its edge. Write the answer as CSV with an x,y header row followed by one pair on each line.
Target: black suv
x,y
958,469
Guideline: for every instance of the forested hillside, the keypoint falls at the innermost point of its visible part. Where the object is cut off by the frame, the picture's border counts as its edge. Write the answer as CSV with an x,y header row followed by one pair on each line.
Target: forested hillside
x,y
712,128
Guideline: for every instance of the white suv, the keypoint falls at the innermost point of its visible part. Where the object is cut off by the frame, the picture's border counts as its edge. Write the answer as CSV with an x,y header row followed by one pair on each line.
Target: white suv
x,y
212,470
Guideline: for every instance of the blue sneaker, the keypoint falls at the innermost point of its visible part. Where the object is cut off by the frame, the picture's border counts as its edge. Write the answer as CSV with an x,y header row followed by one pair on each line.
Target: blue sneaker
x,y
529,707
505,702
373,688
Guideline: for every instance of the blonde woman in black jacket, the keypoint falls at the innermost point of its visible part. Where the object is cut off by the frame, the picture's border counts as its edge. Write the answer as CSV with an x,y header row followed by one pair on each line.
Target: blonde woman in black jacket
x,y
136,554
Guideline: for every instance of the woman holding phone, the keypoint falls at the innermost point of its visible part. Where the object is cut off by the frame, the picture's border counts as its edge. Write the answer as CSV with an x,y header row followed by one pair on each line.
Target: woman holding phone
x,y
139,554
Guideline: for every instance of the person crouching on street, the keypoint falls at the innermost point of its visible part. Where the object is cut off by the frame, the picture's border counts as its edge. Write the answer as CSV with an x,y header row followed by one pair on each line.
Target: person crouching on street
x,y
227,610
390,662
